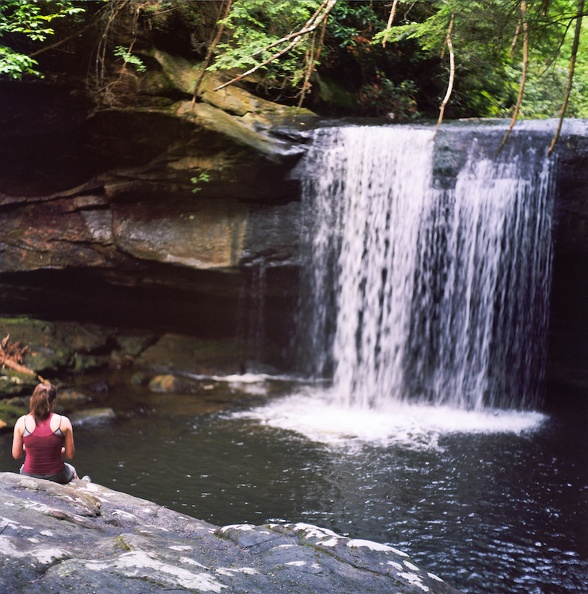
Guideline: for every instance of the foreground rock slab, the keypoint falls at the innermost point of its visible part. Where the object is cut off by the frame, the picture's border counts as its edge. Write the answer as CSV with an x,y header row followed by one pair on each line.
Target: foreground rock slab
x,y
87,538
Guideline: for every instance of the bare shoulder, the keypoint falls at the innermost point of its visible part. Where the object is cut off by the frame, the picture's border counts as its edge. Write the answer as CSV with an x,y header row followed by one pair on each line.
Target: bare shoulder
x,y
59,422
65,422
20,424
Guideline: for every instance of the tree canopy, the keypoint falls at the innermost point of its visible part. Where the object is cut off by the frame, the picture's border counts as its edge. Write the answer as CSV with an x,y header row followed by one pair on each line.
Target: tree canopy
x,y
400,58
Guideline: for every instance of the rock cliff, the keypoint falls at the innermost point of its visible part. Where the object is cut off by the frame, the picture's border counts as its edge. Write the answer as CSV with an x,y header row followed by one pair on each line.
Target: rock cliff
x,y
151,214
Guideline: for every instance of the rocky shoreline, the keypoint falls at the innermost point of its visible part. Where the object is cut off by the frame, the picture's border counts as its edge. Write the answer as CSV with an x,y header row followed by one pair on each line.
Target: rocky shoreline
x,y
90,538
84,360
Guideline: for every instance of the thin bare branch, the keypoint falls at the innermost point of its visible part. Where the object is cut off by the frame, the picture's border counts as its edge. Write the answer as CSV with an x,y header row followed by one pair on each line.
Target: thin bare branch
x,y
309,27
515,39
525,64
573,56
312,62
390,21
315,21
115,10
225,8
62,41
449,44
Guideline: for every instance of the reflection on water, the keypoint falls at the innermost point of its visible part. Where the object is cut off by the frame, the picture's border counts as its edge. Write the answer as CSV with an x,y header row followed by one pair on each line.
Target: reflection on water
x,y
497,511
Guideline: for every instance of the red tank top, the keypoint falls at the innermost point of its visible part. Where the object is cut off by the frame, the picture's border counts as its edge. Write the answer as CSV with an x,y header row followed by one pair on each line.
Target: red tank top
x,y
43,449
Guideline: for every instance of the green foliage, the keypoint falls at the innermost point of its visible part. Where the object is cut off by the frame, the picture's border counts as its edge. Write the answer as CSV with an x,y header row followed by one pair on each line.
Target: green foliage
x,y
350,23
129,58
383,98
486,45
14,64
488,52
33,18
548,73
256,24
411,70
30,20
202,178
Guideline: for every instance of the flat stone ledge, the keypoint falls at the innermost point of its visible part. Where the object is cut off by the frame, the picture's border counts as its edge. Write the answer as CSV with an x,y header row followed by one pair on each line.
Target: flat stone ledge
x,y
85,536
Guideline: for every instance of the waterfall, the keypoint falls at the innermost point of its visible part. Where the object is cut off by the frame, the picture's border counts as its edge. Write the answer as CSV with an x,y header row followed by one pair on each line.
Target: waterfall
x,y
422,292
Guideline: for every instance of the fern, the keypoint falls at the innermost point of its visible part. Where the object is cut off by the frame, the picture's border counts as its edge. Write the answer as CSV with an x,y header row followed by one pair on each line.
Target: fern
x,y
128,58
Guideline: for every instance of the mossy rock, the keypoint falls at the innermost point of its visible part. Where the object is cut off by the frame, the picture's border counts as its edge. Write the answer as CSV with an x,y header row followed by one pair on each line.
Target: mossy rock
x,y
15,385
190,355
135,344
84,362
70,398
42,358
59,345
9,413
93,416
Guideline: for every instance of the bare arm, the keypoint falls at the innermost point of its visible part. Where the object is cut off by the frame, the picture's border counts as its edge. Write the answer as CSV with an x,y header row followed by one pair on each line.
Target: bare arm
x,y
68,450
17,443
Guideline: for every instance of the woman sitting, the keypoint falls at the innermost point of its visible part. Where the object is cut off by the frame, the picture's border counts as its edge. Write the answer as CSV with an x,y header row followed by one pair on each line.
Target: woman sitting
x,y
44,438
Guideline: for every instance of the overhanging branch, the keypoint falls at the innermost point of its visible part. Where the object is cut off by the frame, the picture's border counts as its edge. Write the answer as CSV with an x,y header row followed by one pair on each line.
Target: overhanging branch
x,y
317,18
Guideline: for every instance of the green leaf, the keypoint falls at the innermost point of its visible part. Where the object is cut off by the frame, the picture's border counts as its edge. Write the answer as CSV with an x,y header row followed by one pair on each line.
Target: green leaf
x,y
128,58
29,19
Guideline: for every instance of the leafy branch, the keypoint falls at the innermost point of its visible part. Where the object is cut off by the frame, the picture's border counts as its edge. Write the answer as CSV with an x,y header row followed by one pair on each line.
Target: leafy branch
x,y
129,58
28,19
294,39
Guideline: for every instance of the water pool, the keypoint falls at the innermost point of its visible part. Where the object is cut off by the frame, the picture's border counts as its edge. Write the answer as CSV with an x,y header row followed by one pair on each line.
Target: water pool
x,y
490,509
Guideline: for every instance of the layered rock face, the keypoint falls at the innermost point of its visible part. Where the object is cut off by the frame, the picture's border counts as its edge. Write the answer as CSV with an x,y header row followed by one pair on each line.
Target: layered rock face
x,y
154,216
568,348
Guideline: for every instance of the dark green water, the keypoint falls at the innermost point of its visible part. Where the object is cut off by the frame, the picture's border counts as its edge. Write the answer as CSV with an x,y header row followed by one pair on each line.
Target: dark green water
x,y
491,512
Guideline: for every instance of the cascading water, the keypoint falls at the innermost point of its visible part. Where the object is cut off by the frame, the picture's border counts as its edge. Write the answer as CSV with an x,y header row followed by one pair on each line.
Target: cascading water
x,y
420,292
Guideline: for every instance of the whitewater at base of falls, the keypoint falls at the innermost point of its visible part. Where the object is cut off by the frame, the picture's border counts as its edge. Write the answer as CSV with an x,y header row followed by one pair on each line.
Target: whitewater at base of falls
x,y
314,414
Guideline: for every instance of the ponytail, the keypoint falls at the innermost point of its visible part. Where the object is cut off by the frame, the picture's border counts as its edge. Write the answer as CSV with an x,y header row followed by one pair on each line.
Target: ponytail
x,y
42,399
